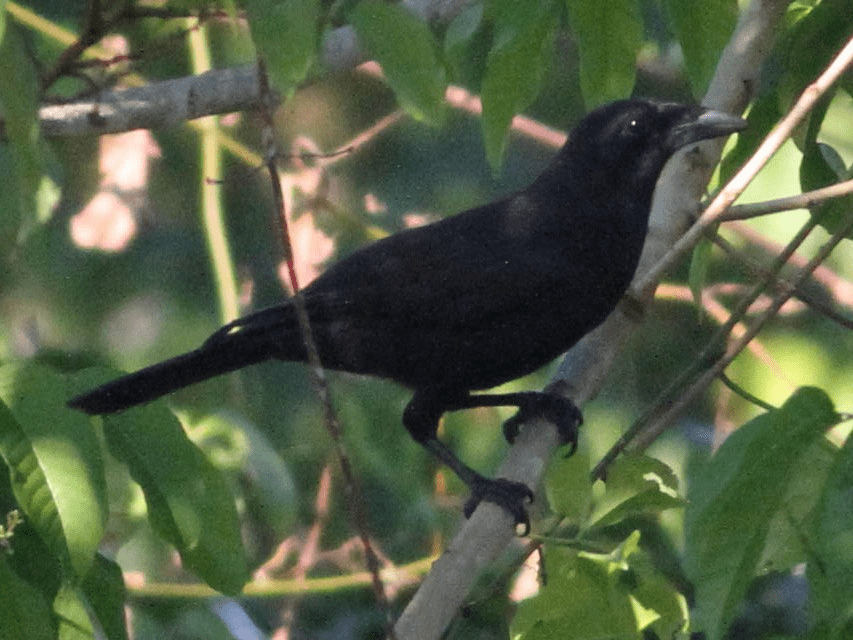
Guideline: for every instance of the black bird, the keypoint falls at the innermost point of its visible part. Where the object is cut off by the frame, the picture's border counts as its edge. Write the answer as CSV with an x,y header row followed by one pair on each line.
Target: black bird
x,y
476,299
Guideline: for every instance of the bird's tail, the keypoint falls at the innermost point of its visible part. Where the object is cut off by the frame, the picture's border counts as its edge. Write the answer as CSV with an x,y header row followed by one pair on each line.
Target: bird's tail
x,y
261,336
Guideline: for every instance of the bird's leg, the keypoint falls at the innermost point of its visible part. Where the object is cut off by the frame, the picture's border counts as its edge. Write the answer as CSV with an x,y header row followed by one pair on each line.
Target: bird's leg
x,y
427,406
557,409
421,418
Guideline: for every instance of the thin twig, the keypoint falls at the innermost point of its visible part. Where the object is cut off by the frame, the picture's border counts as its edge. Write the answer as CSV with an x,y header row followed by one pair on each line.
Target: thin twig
x,y
318,375
701,383
671,396
779,283
801,201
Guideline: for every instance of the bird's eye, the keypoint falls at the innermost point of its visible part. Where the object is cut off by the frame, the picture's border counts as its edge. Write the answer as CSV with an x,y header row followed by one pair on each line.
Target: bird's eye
x,y
636,128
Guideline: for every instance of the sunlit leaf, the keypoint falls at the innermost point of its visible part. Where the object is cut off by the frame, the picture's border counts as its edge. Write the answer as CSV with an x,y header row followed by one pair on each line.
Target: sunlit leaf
x,y
70,609
189,502
55,459
583,597
636,484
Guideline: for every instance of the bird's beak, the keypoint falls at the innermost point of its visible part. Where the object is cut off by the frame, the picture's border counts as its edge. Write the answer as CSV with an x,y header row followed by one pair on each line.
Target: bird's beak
x,y
708,124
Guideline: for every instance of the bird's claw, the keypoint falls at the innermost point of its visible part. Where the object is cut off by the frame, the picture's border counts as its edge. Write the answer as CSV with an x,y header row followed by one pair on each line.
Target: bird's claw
x,y
510,495
559,410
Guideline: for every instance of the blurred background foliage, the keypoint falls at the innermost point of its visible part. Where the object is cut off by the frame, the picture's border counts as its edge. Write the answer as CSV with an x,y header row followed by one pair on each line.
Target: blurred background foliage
x,y
131,282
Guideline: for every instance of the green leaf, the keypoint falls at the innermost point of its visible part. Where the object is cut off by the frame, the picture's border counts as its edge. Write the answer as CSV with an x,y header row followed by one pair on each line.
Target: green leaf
x,y
19,105
609,35
70,609
568,486
703,29
822,166
516,65
816,32
24,613
105,591
763,116
831,534
55,462
189,503
636,484
582,598
406,49
734,499
657,595
698,275
466,44
787,543
286,35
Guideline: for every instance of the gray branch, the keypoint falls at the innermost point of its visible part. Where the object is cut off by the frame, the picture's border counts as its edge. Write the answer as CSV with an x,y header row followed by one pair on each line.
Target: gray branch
x,y
156,105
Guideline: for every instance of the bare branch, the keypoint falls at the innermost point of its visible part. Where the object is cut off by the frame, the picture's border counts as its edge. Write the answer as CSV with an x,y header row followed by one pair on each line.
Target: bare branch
x,y
665,417
801,201
156,105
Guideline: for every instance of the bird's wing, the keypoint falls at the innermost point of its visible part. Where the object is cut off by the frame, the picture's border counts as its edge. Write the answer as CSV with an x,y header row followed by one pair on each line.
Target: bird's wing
x,y
464,271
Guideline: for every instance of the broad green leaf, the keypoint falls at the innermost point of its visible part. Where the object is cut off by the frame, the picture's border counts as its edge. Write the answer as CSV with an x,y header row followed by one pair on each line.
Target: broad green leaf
x,y
636,484
568,486
822,166
70,610
189,503
816,32
831,535
56,465
703,29
19,106
735,498
521,53
466,44
787,545
105,592
24,612
609,35
286,34
406,49
583,598
658,596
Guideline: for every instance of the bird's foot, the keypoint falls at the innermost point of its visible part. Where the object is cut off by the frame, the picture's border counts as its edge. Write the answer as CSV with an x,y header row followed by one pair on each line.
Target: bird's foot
x,y
512,496
559,410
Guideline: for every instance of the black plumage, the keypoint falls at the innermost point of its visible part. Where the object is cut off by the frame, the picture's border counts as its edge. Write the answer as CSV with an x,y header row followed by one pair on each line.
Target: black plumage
x,y
476,299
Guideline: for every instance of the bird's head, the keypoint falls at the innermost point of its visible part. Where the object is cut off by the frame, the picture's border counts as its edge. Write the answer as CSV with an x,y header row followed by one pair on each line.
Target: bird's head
x,y
633,139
